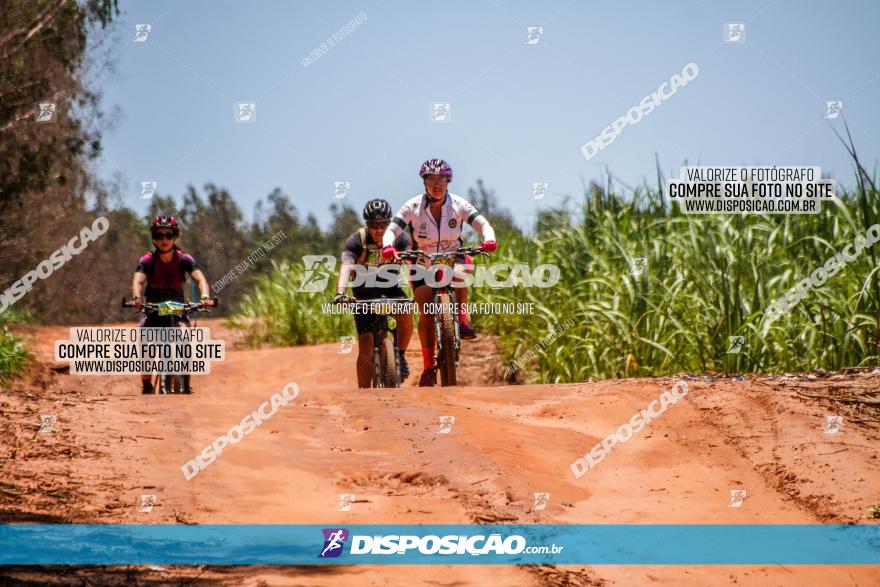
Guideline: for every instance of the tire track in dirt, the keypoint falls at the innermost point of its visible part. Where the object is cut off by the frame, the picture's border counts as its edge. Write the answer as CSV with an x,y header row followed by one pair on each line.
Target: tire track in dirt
x,y
753,424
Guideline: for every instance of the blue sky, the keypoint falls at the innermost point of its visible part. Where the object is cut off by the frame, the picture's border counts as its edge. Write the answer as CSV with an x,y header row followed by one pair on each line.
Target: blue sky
x,y
519,112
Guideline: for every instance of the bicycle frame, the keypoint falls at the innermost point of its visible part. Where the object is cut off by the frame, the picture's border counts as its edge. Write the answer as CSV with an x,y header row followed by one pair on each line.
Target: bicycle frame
x,y
436,292
446,357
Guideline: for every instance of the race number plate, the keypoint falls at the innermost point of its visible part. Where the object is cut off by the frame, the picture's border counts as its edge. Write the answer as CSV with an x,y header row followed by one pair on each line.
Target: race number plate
x,y
170,309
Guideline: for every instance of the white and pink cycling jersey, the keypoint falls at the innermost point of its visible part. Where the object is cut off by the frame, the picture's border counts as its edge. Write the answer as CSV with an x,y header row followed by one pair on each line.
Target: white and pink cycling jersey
x,y
430,236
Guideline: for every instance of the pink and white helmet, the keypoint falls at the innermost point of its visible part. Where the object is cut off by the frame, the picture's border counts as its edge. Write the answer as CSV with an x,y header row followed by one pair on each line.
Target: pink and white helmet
x,y
436,167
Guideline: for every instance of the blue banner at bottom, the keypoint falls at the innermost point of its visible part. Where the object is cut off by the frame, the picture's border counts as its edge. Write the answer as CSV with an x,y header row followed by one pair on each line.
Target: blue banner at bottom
x,y
612,544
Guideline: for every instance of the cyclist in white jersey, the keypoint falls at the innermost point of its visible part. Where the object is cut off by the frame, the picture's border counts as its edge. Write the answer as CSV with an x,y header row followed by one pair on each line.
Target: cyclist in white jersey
x,y
436,218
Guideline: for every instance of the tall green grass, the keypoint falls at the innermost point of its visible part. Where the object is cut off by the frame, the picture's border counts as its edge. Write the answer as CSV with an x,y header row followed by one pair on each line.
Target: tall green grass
x,y
707,278
13,356
275,312
16,316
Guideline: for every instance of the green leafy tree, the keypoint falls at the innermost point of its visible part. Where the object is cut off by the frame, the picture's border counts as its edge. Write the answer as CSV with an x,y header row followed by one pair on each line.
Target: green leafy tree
x,y
345,221
48,48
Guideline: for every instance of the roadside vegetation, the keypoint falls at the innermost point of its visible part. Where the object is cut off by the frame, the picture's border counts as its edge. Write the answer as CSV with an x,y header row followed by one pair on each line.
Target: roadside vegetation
x,y
13,355
707,278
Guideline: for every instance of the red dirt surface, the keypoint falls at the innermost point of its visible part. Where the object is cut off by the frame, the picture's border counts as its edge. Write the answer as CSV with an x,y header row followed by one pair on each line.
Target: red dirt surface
x,y
111,445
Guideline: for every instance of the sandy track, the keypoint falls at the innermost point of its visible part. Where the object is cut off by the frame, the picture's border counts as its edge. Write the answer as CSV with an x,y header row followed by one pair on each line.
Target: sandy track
x,y
111,445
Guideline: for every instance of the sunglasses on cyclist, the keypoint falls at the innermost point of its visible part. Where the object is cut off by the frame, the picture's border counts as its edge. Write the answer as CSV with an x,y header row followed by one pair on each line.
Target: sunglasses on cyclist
x,y
163,236
378,223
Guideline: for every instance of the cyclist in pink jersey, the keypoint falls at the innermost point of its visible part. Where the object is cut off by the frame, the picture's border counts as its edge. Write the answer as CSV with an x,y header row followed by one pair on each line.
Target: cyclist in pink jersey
x,y
160,276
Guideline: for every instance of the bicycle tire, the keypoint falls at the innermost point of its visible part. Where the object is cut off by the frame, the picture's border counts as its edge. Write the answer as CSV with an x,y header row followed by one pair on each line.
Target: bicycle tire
x,y
446,360
388,367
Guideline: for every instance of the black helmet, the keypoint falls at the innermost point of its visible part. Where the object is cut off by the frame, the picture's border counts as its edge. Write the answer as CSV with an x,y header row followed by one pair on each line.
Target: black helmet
x,y
377,209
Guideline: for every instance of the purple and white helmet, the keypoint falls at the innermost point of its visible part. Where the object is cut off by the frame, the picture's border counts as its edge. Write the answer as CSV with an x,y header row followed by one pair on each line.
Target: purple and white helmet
x,y
436,167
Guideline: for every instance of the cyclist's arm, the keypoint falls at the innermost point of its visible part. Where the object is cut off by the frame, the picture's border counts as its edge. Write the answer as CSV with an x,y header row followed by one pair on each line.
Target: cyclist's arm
x,y
393,231
350,253
137,284
403,242
478,222
201,282
348,263
188,264
400,221
144,268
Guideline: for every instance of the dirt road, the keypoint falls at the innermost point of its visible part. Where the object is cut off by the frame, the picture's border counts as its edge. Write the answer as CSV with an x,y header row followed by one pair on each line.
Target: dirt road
x,y
111,445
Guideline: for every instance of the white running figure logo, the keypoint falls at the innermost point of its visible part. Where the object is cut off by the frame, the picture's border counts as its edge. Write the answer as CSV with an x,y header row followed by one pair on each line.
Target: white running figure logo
x,y
141,32
47,423
345,501
148,188
46,111
737,496
446,423
535,33
539,189
335,542
541,500
832,109
246,111
147,503
346,343
341,189
833,424
639,266
735,32
736,344
440,111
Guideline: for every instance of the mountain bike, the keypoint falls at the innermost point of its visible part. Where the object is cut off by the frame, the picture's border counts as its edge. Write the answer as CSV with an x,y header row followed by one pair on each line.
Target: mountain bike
x,y
171,315
446,319
386,366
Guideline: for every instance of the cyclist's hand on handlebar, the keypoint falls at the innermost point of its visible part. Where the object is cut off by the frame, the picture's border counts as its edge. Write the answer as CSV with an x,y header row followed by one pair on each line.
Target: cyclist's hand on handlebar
x,y
389,253
340,298
208,301
490,246
137,303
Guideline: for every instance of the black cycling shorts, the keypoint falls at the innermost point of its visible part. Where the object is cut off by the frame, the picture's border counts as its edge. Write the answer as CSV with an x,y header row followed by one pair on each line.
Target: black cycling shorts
x,y
364,322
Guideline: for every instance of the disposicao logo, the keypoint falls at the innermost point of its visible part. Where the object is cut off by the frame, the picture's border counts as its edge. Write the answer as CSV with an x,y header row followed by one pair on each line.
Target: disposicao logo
x,y
334,541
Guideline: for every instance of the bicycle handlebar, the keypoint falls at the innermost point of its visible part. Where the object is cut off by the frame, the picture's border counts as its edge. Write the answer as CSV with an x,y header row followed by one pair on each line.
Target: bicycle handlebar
x,y
414,255
150,307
